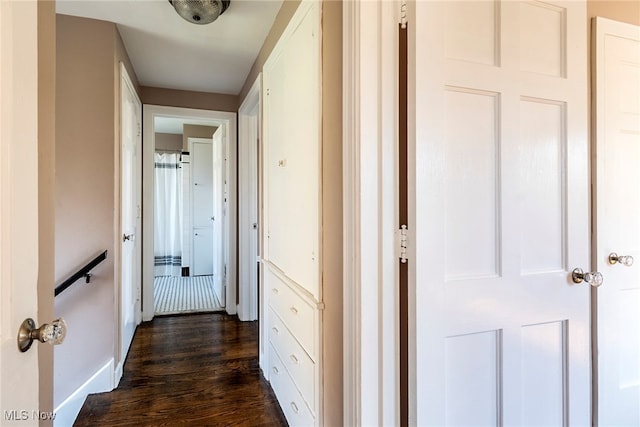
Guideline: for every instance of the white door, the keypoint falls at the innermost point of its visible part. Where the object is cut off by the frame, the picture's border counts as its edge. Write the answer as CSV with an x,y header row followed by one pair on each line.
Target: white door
x,y
219,220
19,388
499,333
617,142
202,213
130,201
249,130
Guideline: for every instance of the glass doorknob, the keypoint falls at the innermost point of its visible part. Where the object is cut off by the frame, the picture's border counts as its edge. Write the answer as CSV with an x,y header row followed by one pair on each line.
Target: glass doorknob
x,y
52,333
593,278
626,260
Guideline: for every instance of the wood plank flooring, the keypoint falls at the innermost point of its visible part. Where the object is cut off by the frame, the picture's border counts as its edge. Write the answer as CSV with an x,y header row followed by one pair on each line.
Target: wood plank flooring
x,y
199,370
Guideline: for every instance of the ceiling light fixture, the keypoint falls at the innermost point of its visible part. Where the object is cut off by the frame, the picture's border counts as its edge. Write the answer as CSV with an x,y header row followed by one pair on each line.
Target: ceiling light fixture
x,y
200,11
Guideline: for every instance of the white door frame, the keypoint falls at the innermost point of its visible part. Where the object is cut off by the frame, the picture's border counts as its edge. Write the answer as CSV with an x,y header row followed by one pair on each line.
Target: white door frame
x,y
127,85
370,123
249,119
217,118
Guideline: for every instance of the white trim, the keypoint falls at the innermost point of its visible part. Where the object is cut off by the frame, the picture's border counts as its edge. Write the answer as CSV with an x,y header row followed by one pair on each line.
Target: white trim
x,y
371,315
218,118
248,135
102,381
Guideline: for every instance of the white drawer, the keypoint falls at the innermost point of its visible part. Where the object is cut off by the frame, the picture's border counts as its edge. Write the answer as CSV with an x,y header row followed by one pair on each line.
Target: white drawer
x,y
291,402
295,359
299,316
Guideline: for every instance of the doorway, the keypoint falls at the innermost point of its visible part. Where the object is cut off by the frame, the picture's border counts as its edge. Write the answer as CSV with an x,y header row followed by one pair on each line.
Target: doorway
x,y
180,271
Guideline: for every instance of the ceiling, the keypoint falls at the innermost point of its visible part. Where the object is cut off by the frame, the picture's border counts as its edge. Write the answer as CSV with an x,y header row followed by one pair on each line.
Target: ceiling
x,y
169,52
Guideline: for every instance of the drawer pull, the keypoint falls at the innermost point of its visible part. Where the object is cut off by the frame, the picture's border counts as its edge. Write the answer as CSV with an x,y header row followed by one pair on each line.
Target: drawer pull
x,y
295,407
275,290
275,330
275,370
294,310
294,359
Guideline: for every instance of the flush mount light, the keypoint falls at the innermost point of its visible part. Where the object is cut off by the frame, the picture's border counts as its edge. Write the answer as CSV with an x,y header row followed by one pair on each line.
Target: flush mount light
x,y
200,11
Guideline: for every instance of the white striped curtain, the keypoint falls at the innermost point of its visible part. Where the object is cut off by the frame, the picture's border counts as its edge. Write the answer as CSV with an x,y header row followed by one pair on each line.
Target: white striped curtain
x,y
168,215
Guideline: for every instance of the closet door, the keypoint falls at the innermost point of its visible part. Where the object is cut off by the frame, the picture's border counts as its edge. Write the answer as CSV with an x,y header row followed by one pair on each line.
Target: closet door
x,y
202,207
500,332
292,139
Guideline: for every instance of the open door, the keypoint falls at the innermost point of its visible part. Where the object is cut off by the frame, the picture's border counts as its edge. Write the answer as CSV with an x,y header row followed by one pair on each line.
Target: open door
x,y
19,267
219,214
248,220
130,213
617,221
500,331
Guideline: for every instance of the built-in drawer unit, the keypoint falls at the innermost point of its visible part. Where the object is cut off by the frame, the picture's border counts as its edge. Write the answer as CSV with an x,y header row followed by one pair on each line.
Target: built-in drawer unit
x,y
291,401
294,311
297,362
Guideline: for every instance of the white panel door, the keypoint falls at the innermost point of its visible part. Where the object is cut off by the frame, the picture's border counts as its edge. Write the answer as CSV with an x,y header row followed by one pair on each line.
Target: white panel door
x,y
130,201
19,388
617,145
500,210
218,203
202,215
292,153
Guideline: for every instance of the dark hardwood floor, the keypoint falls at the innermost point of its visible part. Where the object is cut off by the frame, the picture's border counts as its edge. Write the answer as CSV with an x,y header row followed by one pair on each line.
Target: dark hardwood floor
x,y
199,370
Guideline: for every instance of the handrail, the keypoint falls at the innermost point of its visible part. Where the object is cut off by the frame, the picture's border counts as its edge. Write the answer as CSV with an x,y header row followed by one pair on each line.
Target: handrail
x,y
83,272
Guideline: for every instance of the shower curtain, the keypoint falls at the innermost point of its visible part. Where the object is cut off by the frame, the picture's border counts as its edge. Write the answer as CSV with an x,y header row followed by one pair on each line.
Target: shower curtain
x,y
168,215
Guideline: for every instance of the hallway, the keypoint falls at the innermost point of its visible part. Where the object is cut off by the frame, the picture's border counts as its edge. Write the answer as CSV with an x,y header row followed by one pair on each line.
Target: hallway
x,y
173,376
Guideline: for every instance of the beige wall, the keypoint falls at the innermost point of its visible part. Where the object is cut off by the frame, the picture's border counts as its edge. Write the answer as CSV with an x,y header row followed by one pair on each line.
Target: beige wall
x,y
195,131
86,155
189,99
282,19
46,200
332,211
168,141
619,10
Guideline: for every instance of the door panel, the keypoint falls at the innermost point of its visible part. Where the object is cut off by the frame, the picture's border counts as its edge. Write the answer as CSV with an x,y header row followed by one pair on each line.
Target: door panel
x,y
500,214
617,145
19,372
202,251
202,211
202,184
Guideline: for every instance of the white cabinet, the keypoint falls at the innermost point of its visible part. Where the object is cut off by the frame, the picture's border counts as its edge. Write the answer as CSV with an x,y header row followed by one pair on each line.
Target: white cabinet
x,y
292,217
293,321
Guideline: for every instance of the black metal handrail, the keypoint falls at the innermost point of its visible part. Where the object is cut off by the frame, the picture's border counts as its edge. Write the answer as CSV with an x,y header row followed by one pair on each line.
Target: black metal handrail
x,y
83,272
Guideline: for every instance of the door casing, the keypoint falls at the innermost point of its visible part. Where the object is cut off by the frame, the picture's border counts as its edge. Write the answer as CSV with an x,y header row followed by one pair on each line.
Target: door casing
x,y
216,118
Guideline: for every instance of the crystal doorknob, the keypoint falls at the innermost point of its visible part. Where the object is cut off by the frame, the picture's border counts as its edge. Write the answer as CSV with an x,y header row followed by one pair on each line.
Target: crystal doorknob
x,y
592,278
52,333
626,260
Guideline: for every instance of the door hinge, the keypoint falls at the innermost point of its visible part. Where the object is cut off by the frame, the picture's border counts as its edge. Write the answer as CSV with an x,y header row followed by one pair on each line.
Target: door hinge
x,y
403,14
401,243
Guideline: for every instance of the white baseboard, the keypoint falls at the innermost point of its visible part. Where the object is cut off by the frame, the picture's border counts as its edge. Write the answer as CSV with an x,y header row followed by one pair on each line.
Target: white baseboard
x,y
117,374
68,410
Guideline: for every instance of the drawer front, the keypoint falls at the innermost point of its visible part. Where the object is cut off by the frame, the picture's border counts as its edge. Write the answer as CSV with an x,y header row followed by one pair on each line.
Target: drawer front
x,y
299,316
291,402
295,359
